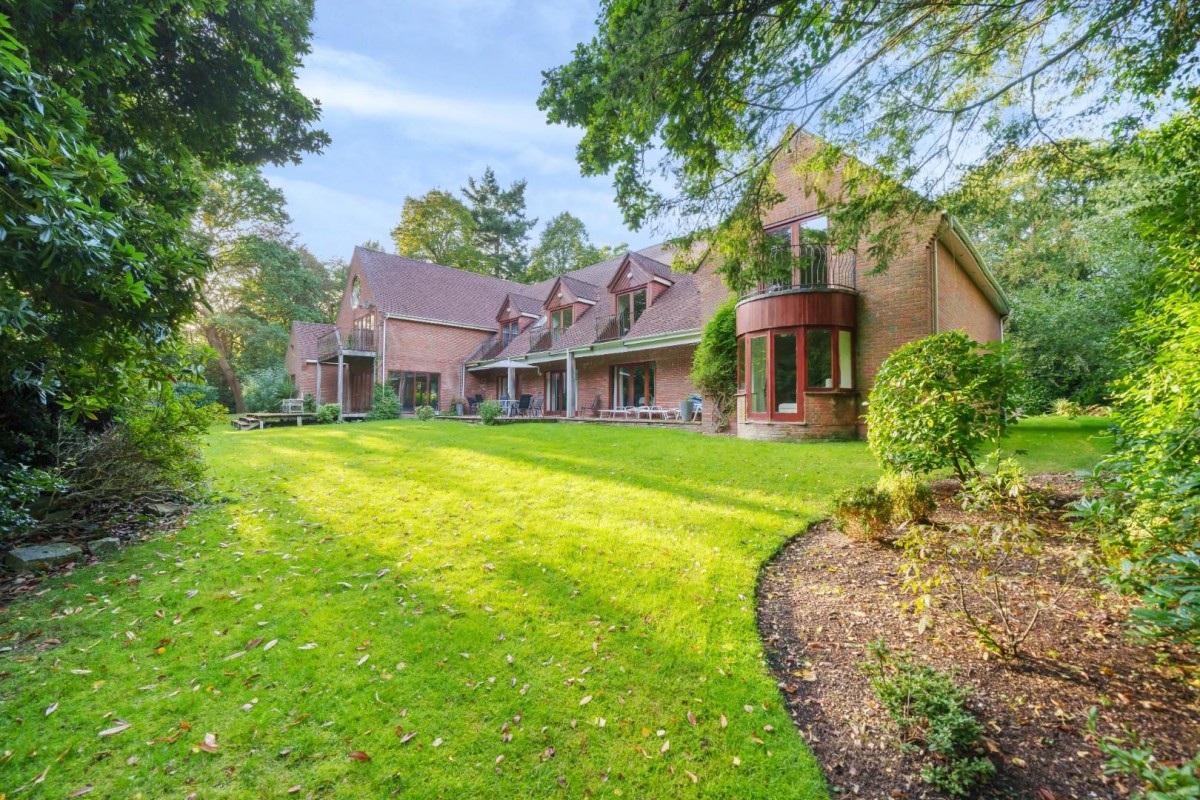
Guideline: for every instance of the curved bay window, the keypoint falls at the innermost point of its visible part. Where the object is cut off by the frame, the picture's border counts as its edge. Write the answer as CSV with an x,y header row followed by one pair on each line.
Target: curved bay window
x,y
780,366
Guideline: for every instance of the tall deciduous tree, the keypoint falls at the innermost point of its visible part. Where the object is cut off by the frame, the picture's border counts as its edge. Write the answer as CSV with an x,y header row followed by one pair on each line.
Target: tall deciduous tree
x,y
501,231
564,245
438,227
707,93
1054,222
108,108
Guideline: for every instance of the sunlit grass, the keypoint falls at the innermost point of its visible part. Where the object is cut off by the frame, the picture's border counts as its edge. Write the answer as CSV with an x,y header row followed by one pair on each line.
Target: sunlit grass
x,y
472,585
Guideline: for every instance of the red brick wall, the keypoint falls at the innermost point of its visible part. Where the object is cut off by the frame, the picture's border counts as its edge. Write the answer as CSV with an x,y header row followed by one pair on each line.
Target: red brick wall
x,y
672,383
960,303
424,347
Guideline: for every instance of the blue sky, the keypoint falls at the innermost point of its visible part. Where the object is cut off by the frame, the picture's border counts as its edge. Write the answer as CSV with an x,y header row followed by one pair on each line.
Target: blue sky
x,y
419,94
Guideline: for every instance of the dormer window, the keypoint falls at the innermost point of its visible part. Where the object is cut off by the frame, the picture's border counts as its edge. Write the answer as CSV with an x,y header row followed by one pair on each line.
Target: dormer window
x,y
509,331
356,293
559,322
630,307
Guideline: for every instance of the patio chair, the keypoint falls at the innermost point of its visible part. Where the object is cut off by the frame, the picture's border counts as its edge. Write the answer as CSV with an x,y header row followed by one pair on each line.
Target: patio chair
x,y
595,406
524,404
536,409
473,403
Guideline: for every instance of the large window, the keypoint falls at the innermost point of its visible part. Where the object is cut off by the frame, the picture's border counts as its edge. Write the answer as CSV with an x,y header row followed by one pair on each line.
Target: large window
x,y
780,366
758,375
416,388
509,331
633,385
556,391
559,321
818,355
629,307
786,374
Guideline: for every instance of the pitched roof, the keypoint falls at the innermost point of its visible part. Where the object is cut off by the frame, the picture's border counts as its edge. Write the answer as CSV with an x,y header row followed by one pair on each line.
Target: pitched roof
x,y
412,288
305,336
524,304
580,289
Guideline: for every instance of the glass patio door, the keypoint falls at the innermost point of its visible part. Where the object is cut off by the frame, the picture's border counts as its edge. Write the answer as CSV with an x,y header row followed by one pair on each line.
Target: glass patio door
x,y
633,385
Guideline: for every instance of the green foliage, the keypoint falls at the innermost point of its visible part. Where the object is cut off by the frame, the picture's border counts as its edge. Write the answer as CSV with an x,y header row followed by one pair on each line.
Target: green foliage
x,y
266,388
993,570
937,400
1063,407
310,404
863,512
912,498
930,712
438,227
501,231
564,245
1156,781
489,412
714,364
329,412
1000,485
889,82
22,487
1146,517
108,110
385,403
425,413
200,394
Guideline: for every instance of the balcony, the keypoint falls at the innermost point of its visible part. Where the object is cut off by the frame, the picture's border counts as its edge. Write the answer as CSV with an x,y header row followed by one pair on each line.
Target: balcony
x,y
488,350
803,267
611,328
356,342
539,341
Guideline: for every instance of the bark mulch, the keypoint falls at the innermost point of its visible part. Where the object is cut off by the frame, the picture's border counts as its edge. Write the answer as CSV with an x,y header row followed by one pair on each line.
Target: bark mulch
x,y
825,596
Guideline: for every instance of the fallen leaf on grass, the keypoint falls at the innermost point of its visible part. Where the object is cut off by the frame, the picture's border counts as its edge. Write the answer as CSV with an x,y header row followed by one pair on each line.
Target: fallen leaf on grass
x,y
691,775
50,709
408,737
309,646
81,791
118,728
295,789
253,643
437,742
209,745
691,718
586,699
666,745
269,645
724,722
358,755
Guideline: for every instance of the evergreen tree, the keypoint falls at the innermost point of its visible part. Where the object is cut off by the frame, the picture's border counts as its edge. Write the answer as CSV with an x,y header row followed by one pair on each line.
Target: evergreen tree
x,y
501,231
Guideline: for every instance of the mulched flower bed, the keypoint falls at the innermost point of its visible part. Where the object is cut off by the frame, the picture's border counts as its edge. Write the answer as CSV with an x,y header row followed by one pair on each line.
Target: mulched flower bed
x,y
825,596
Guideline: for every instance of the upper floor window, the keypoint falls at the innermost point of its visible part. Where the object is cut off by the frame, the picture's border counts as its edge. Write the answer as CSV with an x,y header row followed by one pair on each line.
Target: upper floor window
x,y
559,321
629,307
356,294
509,331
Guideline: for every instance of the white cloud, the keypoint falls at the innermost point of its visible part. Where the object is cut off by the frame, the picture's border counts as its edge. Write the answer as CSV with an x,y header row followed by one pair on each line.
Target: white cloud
x,y
361,86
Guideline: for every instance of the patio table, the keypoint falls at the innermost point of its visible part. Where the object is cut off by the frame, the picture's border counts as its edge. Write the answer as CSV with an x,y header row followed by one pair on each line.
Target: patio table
x,y
509,407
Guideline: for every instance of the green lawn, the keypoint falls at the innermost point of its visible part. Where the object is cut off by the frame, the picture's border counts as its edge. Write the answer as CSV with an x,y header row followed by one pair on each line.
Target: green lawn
x,y
555,611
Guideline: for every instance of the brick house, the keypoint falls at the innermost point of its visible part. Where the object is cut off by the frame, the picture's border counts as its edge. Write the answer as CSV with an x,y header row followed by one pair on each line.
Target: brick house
x,y
623,332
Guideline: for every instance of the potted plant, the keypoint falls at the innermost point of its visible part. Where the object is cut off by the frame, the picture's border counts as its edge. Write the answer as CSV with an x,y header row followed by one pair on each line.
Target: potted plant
x,y
460,405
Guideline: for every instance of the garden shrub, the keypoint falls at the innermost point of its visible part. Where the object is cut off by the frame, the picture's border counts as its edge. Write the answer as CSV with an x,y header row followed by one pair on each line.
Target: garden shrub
x,y
329,412
937,400
1156,780
150,453
931,714
863,512
994,571
385,403
714,365
310,404
425,413
912,499
1146,519
21,489
1002,488
264,389
201,394
1062,407
489,412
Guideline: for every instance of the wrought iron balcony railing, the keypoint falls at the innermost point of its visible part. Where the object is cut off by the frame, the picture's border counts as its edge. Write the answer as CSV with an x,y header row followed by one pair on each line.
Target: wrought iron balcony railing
x,y
804,266
488,350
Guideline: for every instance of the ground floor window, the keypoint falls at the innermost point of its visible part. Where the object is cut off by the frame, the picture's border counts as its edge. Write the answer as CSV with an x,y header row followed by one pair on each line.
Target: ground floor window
x,y
783,364
556,391
633,384
416,388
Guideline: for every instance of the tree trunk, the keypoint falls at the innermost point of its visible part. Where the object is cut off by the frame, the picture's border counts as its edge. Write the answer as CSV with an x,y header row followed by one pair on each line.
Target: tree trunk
x,y
231,378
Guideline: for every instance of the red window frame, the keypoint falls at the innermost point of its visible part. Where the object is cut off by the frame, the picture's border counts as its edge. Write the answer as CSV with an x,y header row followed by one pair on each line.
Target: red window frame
x,y
746,372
